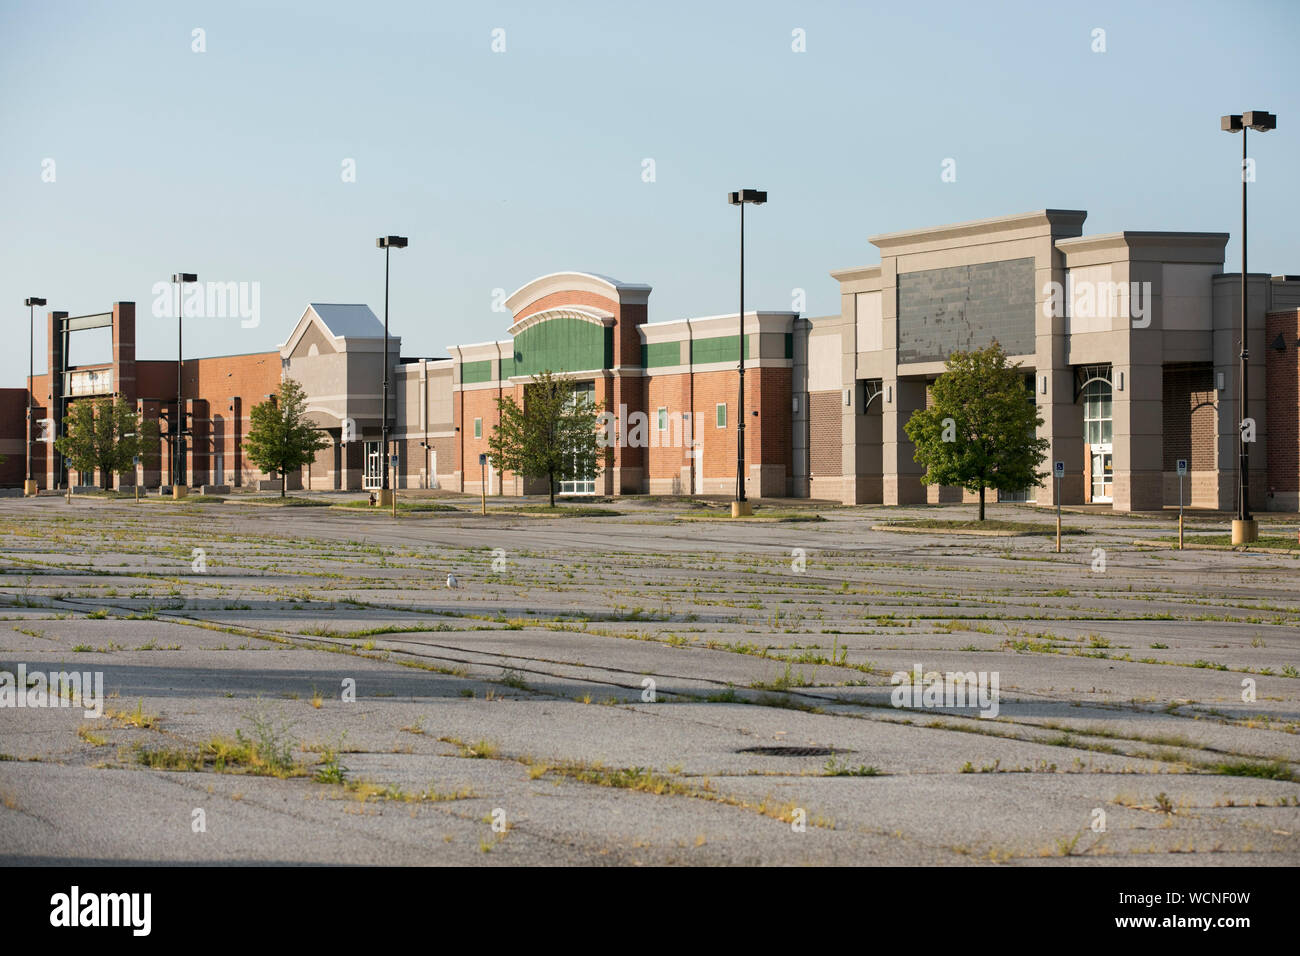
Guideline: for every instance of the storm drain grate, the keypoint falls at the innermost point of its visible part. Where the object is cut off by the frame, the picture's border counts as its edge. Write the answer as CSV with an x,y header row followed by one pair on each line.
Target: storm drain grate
x,y
788,751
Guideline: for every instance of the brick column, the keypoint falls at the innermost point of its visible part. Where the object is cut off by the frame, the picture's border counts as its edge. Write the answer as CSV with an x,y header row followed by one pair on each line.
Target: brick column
x,y
629,463
54,400
124,350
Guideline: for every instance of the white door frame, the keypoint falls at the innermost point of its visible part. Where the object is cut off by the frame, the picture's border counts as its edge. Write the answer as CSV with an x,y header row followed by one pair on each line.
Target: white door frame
x,y
372,464
1102,452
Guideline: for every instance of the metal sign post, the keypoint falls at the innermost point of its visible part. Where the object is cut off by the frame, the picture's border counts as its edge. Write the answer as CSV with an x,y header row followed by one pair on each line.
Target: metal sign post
x,y
1058,472
393,469
482,473
1182,473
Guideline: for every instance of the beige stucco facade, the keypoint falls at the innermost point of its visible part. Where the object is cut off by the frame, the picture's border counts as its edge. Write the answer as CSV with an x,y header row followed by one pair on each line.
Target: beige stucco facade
x,y
1149,319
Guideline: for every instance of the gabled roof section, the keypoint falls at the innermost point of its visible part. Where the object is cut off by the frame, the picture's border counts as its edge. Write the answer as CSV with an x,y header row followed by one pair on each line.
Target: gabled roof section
x,y
349,321
342,323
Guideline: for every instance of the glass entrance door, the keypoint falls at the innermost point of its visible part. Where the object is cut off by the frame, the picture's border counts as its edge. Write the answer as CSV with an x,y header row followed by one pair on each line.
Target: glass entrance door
x,y
1103,470
1098,432
372,476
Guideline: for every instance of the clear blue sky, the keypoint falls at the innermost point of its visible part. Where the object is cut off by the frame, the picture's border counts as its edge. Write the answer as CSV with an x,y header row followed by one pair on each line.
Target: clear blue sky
x,y
504,166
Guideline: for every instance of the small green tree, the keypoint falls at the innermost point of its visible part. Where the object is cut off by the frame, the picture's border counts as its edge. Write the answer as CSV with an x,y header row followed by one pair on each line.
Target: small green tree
x,y
979,431
105,434
553,436
280,438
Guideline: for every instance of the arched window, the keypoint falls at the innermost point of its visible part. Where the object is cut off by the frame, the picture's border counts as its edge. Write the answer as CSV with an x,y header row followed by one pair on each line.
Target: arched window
x,y
1098,432
1098,425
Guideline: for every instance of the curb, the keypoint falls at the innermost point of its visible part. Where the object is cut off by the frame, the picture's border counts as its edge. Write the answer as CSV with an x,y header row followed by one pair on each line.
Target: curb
x,y
747,518
963,531
1238,549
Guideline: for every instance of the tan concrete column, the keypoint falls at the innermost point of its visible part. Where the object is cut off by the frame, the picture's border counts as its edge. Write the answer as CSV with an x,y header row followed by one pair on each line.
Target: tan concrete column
x,y
1138,411
901,475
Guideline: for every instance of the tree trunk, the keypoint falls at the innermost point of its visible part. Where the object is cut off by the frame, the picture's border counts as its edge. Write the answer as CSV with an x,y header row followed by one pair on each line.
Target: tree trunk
x,y
550,485
981,502
283,483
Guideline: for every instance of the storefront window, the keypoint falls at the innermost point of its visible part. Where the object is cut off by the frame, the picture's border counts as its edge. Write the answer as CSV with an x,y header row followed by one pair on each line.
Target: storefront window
x,y
584,482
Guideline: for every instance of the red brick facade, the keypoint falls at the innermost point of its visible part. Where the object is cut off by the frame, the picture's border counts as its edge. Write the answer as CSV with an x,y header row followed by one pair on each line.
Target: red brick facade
x,y
557,300
471,404
691,453
219,392
13,411
826,444
1189,417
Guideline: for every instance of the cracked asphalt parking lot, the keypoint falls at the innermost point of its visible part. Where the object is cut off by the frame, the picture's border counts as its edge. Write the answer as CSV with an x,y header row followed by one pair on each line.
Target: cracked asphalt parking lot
x,y
601,689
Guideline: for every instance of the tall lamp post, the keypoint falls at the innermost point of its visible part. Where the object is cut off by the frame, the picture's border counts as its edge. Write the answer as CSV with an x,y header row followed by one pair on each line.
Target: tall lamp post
x,y
178,439
29,484
741,506
386,243
1244,528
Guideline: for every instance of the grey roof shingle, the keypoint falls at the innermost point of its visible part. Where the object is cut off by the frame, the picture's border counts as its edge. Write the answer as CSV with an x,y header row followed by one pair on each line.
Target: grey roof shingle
x,y
349,321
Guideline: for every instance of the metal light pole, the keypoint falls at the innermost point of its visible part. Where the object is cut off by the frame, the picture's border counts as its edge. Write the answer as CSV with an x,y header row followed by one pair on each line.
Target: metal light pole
x,y
740,506
1244,527
386,243
29,484
178,440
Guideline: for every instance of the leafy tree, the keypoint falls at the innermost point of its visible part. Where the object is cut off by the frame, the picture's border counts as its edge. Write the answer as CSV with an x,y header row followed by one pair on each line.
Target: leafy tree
x,y
553,436
280,439
105,434
979,431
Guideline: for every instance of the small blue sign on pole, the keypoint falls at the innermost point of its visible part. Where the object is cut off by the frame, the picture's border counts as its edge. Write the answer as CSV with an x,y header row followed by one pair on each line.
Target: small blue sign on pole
x,y
1058,469
482,463
1182,466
